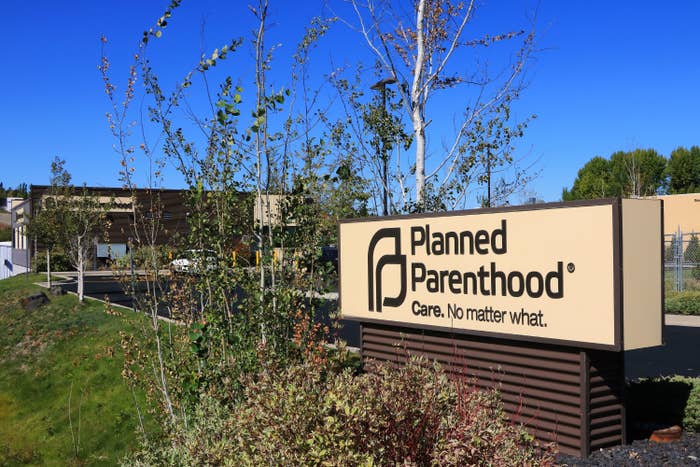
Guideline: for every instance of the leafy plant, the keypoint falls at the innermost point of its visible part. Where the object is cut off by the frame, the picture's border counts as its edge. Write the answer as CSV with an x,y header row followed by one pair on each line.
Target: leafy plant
x,y
71,219
264,196
666,400
59,261
5,233
691,414
308,414
683,303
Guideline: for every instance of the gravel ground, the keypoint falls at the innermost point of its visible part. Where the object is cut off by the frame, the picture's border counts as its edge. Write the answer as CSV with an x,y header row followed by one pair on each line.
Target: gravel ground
x,y
643,453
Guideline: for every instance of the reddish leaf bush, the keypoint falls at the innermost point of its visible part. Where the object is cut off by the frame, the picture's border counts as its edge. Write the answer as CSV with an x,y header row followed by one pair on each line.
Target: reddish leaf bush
x,y
307,415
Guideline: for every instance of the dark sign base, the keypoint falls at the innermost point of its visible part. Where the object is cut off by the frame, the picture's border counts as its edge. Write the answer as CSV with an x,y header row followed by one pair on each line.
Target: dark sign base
x,y
570,396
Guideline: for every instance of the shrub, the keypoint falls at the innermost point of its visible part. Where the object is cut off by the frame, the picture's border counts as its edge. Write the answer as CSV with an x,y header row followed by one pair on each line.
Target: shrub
x,y
143,256
59,262
5,233
691,414
667,400
683,303
479,434
306,415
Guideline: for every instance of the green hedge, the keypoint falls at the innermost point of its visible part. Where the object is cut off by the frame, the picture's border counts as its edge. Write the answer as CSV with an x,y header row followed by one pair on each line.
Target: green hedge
x,y
59,262
669,400
683,303
691,416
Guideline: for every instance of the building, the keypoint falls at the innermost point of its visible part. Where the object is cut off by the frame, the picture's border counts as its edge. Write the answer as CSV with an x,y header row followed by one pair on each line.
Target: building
x,y
6,266
126,207
19,255
681,212
9,201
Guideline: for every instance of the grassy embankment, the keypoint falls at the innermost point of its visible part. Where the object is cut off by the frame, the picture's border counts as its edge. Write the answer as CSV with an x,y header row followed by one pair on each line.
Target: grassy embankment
x,y
62,397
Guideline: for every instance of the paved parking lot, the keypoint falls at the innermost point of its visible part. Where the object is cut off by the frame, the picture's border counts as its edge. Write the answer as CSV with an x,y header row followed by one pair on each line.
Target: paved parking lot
x,y
99,287
105,286
680,355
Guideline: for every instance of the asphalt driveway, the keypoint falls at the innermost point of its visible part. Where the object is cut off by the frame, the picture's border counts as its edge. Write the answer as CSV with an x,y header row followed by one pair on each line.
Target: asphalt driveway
x,y
680,355
104,286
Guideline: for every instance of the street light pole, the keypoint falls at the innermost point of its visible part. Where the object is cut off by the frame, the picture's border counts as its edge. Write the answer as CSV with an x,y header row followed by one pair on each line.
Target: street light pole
x,y
381,86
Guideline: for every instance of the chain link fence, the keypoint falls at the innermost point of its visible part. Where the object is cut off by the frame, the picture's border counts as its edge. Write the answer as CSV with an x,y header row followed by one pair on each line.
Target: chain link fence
x,y
682,261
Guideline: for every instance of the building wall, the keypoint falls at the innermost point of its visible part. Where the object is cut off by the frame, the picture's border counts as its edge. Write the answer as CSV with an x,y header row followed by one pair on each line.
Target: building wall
x,y
9,202
119,230
6,267
20,209
681,211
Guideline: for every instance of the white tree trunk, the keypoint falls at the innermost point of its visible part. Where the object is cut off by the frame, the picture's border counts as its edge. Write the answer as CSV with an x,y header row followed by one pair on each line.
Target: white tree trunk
x,y
420,156
81,271
48,268
416,105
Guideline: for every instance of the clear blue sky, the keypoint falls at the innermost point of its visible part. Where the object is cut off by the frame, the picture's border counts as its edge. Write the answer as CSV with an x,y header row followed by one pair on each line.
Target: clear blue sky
x,y
609,75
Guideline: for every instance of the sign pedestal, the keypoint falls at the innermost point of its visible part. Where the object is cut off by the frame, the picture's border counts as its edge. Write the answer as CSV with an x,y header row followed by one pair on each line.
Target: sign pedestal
x,y
538,302
572,396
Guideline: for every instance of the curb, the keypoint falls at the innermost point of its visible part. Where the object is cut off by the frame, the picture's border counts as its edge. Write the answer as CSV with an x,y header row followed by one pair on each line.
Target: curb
x,y
86,297
690,321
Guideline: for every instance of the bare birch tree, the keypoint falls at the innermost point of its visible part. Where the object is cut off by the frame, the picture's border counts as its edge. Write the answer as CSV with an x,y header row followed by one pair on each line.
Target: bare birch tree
x,y
420,49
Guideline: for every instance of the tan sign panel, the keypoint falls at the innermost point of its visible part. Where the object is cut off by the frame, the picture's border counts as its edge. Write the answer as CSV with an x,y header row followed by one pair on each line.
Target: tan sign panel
x,y
547,273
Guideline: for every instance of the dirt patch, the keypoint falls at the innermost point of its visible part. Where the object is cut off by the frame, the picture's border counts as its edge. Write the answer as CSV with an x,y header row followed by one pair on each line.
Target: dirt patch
x,y
31,345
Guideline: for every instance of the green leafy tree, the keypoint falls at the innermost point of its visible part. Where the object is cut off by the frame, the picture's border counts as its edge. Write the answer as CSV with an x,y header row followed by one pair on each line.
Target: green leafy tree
x,y
70,218
670,250
628,174
684,170
641,172
20,192
594,180
256,292
692,251
692,255
45,224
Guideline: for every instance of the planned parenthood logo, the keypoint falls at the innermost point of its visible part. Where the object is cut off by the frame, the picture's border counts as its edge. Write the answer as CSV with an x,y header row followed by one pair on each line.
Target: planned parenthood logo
x,y
374,270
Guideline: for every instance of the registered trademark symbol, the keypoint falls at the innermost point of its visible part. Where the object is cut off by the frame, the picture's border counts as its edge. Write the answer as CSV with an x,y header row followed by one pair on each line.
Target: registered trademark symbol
x,y
570,267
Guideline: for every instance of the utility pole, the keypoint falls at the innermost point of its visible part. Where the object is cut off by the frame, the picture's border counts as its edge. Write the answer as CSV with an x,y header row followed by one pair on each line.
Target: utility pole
x,y
381,86
488,180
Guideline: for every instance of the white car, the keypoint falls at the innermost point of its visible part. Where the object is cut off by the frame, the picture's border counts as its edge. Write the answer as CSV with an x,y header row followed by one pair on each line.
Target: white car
x,y
193,260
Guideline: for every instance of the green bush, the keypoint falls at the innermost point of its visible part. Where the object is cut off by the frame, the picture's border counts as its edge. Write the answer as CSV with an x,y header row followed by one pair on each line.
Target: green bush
x,y
306,415
59,262
683,303
143,257
691,414
669,400
5,233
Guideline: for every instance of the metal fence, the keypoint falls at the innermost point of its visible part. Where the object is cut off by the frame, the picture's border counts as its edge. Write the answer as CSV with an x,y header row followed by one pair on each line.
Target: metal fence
x,y
682,261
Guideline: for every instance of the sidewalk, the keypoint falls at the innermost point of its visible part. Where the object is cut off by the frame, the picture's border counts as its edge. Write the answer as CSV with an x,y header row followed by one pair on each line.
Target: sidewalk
x,y
138,272
683,320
